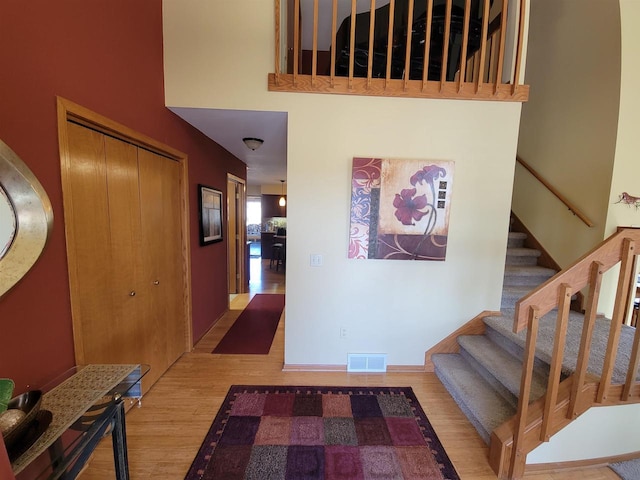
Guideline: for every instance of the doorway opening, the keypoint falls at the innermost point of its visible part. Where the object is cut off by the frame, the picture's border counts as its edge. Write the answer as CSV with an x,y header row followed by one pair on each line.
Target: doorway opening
x,y
254,226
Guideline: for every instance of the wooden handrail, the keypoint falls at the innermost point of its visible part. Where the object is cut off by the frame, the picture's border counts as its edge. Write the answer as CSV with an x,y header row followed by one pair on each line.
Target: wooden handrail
x,y
394,63
587,389
575,210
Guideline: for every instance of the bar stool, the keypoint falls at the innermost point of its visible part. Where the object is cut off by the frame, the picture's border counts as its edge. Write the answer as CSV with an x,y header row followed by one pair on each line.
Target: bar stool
x,y
277,255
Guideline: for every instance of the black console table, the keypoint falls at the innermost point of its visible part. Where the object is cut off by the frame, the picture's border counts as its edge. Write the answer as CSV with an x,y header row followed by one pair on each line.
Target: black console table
x,y
78,409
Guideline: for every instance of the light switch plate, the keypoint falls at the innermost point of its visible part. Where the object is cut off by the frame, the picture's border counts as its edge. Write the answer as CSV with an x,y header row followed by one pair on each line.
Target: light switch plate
x,y
315,260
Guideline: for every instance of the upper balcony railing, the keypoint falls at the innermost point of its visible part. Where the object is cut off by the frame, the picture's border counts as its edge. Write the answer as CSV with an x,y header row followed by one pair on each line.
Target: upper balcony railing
x,y
456,49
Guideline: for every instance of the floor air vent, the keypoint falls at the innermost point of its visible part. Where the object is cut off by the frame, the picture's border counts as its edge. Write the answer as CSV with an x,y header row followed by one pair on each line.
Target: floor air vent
x,y
367,362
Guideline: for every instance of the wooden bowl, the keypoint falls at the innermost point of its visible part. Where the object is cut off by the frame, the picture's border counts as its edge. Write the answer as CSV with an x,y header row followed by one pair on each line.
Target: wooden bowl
x,y
29,402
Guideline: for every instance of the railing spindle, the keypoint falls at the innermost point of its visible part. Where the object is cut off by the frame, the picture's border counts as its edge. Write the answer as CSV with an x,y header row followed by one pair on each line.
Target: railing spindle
x,y
407,57
352,42
334,23
427,44
314,52
483,45
620,309
519,46
445,45
465,44
553,385
632,372
595,281
278,33
493,57
518,455
392,6
296,40
503,36
372,21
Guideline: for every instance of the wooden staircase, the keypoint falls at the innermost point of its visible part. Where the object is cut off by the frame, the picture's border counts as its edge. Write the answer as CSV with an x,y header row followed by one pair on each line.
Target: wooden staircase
x,y
523,375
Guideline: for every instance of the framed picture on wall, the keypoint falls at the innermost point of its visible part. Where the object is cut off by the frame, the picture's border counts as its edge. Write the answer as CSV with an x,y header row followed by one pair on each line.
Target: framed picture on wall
x,y
210,210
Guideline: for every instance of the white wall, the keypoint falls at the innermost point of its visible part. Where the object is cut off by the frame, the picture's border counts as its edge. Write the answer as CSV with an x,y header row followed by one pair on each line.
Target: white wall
x,y
598,433
218,55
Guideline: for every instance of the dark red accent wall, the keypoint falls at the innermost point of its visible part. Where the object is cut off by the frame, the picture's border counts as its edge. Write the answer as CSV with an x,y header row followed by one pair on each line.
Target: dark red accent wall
x,y
105,55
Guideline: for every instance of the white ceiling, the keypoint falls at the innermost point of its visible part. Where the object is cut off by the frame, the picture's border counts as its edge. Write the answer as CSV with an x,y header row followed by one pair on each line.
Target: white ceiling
x,y
268,164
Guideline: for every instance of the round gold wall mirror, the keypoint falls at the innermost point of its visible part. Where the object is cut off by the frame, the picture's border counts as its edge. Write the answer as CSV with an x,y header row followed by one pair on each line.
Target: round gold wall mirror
x,y
26,218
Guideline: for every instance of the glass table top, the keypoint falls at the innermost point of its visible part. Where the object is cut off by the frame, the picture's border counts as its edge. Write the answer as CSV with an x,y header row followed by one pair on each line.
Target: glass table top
x,y
73,405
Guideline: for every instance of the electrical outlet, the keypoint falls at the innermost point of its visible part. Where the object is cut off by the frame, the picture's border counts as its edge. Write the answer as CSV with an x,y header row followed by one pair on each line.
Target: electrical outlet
x,y
343,332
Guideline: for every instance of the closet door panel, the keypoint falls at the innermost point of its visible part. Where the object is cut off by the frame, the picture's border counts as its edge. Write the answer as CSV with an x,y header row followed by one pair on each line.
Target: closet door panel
x,y
162,253
175,286
89,242
128,294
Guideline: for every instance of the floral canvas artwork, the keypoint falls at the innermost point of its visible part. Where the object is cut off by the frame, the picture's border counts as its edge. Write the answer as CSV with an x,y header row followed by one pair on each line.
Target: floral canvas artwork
x,y
400,208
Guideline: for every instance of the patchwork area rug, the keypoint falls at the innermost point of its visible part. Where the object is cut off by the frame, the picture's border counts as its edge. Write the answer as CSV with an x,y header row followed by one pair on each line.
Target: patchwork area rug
x,y
317,433
254,329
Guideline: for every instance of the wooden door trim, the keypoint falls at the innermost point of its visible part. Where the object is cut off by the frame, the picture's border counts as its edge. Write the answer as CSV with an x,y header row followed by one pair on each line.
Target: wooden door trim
x,y
70,111
241,220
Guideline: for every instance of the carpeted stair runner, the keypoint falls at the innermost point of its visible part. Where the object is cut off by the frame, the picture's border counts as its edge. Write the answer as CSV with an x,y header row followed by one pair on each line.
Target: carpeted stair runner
x,y
484,378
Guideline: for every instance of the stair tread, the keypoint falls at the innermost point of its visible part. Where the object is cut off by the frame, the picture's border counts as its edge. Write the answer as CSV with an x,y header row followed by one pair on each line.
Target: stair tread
x,y
506,368
483,405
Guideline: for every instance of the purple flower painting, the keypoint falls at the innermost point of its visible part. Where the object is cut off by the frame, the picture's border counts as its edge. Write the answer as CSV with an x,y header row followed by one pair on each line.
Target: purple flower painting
x,y
409,206
400,209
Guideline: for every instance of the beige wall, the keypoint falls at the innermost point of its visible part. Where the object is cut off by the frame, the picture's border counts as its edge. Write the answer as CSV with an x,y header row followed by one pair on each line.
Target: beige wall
x,y
568,127
626,167
626,170
582,134
218,55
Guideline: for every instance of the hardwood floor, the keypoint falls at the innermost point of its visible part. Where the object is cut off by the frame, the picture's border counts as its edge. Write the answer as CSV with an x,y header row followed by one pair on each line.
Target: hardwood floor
x,y
165,433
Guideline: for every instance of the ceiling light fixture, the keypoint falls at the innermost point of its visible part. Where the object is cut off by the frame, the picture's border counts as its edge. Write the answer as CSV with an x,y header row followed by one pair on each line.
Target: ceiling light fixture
x,y
283,201
253,143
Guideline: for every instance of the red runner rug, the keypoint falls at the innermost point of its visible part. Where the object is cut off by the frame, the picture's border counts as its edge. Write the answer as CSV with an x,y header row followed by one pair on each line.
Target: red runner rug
x,y
254,329
321,433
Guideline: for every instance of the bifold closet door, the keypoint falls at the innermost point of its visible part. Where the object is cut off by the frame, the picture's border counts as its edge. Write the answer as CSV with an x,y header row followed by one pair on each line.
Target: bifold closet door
x,y
106,241
125,253
160,217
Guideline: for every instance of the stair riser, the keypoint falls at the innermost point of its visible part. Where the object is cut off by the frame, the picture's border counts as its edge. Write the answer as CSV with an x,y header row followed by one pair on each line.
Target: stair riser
x,y
515,242
516,350
528,260
490,378
509,299
508,304
486,436
524,280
